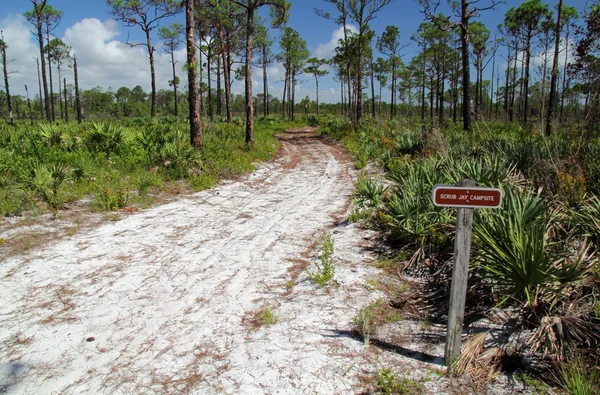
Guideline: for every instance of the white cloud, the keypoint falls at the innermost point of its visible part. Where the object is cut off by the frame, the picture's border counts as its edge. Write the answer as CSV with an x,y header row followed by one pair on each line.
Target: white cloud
x,y
102,59
105,59
327,50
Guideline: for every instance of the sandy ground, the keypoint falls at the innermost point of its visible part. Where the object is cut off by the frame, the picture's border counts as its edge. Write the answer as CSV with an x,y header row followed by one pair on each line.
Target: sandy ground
x,y
165,300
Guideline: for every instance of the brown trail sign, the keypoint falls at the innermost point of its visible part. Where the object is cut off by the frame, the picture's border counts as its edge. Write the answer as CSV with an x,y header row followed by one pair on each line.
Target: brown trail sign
x,y
466,197
453,196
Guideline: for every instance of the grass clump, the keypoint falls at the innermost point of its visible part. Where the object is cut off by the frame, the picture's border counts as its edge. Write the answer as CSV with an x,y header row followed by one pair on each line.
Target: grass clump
x,y
579,378
325,269
388,383
372,316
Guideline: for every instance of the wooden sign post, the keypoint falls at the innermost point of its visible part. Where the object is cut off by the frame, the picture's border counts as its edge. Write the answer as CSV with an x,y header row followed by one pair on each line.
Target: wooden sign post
x,y
466,197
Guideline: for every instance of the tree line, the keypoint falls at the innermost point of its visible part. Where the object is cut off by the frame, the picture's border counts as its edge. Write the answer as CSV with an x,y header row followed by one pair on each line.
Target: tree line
x,y
225,37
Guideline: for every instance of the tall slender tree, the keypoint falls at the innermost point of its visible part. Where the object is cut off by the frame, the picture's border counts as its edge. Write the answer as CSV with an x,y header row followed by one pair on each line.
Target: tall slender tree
x,y
146,14
172,38
3,47
293,57
77,92
35,17
361,12
479,41
463,11
527,20
59,53
381,69
278,10
568,15
389,44
265,59
192,67
314,69
51,18
554,78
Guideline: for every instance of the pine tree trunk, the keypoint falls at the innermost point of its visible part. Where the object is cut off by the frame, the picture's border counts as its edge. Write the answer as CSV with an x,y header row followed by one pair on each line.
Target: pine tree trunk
x,y
65,100
210,101
8,99
201,84
219,91
194,111
265,82
249,101
393,89
60,104
565,84
464,38
526,82
372,90
317,83
175,81
43,67
152,72
40,86
77,96
52,113
553,82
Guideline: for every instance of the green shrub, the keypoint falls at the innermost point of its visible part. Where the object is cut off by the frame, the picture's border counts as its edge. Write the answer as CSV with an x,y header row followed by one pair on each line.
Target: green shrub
x,y
325,269
45,181
147,180
389,384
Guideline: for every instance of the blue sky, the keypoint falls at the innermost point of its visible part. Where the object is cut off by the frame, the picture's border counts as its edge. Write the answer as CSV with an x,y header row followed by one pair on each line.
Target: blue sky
x,y
105,60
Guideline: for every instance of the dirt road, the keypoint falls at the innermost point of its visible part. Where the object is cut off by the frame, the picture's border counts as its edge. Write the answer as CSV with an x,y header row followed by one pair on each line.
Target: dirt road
x,y
166,300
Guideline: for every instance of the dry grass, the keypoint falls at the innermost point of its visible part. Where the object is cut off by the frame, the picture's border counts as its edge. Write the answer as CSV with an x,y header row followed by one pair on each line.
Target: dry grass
x,y
480,363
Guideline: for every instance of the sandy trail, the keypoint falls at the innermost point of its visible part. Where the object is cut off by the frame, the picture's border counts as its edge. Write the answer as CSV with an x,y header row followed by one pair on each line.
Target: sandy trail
x,y
169,294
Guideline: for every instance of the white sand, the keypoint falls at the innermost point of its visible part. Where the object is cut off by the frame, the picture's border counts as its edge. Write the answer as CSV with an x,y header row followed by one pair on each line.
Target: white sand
x,y
168,293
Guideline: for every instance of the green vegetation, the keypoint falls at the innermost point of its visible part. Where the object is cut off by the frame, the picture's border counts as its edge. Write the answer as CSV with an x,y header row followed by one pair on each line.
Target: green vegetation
x,y
535,257
266,316
325,269
578,378
388,383
50,165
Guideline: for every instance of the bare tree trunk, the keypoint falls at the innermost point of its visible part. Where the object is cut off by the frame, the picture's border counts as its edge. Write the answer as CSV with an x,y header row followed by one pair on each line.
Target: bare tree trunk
x,y
283,107
526,81
342,95
552,99
423,88
60,105
40,86
194,111
293,101
393,89
66,103
77,96
265,83
152,73
492,80
225,48
373,114
29,105
464,38
210,101
43,62
201,86
317,83
219,92
175,81
565,83
249,102
52,113
8,100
